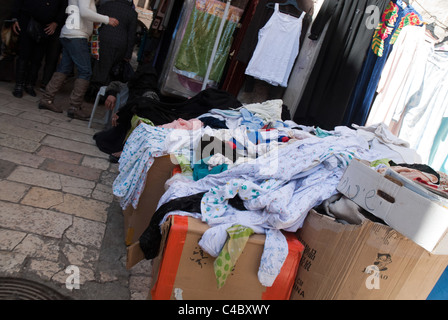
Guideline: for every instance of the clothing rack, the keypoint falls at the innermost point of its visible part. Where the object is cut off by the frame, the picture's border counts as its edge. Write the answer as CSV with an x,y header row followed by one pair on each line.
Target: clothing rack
x,y
432,16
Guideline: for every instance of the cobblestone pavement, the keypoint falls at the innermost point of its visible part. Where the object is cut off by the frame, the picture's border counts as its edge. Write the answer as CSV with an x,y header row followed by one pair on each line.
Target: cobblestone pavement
x,y
56,204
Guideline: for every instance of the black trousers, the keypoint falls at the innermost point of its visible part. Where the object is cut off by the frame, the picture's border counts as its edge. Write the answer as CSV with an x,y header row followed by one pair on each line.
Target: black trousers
x,y
29,59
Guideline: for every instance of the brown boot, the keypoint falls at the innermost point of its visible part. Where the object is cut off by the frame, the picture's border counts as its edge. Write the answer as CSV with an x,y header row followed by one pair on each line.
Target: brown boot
x,y
76,110
55,84
82,114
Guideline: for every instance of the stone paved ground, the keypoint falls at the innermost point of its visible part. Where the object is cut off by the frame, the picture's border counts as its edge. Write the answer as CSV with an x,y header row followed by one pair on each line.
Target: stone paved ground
x,y
56,204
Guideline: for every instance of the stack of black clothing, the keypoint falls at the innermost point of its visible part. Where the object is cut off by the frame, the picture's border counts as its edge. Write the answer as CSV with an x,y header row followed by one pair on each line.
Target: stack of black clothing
x,y
159,112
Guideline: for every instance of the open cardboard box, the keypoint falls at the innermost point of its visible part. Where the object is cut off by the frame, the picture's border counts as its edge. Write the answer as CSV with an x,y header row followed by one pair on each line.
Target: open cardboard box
x,y
370,261
418,216
137,220
184,271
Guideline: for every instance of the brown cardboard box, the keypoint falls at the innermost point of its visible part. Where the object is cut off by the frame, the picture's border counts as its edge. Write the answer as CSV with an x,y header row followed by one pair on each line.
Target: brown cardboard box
x,y
137,220
361,262
185,271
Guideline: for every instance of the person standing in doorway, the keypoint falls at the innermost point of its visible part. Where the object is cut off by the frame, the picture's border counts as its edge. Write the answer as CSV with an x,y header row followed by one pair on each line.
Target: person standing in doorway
x,y
74,38
50,14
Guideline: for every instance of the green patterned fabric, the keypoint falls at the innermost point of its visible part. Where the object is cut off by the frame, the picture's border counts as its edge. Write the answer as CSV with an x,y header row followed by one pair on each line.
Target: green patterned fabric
x,y
197,45
232,249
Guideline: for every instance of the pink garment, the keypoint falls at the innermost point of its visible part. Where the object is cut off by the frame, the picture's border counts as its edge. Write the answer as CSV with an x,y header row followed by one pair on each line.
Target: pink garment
x,y
180,123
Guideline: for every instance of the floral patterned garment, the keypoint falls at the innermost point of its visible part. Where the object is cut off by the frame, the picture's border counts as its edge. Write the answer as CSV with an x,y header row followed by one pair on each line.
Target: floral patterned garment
x,y
278,188
396,16
135,160
145,143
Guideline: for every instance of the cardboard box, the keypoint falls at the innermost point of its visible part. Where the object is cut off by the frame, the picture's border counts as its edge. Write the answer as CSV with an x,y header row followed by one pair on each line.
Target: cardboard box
x,y
370,261
185,271
401,203
137,220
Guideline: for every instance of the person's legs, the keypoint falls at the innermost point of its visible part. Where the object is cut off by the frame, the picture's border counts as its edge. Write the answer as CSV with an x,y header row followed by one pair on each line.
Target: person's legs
x,y
35,63
64,68
21,66
52,54
66,64
82,59
25,49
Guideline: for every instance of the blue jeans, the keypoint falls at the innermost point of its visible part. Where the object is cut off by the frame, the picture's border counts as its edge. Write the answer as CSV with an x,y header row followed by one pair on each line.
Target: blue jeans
x,y
75,51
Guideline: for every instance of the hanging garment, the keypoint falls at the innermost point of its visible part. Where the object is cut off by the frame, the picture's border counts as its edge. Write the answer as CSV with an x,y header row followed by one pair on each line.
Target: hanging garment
x,y
406,64
395,17
425,109
199,39
438,157
261,15
329,87
302,70
277,48
255,17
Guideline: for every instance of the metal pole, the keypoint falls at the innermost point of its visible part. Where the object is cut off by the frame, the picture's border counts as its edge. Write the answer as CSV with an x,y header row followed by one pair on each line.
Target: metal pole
x,y
215,47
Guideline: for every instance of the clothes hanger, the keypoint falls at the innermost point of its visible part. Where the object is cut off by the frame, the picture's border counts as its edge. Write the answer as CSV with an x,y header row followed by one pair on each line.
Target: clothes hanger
x,y
443,44
287,2
430,30
444,39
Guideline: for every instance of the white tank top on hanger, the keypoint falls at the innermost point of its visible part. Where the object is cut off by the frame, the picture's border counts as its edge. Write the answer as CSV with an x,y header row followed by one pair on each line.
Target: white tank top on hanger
x,y
277,48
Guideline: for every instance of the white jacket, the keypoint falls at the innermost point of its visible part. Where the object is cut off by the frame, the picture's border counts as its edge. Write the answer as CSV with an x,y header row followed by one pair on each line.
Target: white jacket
x,y
82,15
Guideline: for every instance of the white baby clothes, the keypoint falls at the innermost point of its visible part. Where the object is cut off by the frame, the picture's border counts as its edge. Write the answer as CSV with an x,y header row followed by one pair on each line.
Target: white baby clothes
x,y
277,48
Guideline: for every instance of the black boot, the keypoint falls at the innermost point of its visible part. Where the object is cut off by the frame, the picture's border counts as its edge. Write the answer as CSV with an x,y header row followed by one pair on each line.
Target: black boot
x,y
20,78
29,88
18,90
31,80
